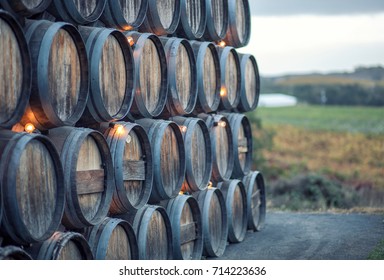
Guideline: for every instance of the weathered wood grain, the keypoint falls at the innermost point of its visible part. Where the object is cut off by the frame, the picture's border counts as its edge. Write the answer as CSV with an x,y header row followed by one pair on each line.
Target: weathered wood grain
x,y
86,8
209,77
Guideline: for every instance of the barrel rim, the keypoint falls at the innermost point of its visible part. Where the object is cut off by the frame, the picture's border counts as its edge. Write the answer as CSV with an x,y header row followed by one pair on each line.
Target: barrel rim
x,y
117,150
73,14
21,254
152,22
113,17
142,218
94,45
256,177
225,104
184,27
244,105
228,189
173,101
25,91
211,33
232,37
200,49
73,214
138,107
49,118
174,209
99,236
11,217
23,10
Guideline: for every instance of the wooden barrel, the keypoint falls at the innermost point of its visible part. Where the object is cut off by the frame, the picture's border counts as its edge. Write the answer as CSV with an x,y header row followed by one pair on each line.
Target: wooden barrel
x,y
15,71
25,8
111,71
63,246
59,74
239,28
187,232
193,19
222,146
236,205
198,153
256,202
250,83
124,15
31,177
182,84
13,253
154,234
132,158
168,155
242,144
208,77
230,78
214,219
162,17
77,11
88,175
151,77
217,20
113,239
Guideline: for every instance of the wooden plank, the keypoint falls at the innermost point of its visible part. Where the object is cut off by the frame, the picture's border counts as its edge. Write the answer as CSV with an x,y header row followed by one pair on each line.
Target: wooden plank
x,y
134,170
90,181
166,12
187,233
86,8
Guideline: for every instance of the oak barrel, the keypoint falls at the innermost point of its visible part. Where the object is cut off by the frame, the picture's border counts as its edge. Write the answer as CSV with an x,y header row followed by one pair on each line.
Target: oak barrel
x,y
111,70
162,17
182,84
77,11
214,219
198,153
13,253
217,20
15,71
31,178
193,19
25,8
242,144
236,205
230,78
124,14
63,246
132,158
239,27
250,83
59,74
208,77
88,175
154,233
113,239
256,201
187,232
222,146
168,154
151,77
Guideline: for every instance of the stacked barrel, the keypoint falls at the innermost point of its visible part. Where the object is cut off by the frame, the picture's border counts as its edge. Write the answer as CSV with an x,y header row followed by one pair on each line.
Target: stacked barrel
x,y
123,134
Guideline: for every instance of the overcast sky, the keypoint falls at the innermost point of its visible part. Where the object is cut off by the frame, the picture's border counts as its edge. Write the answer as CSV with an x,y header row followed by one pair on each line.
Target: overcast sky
x,y
299,36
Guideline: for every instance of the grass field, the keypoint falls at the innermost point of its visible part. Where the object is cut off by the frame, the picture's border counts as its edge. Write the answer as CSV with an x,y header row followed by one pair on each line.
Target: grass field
x,y
345,145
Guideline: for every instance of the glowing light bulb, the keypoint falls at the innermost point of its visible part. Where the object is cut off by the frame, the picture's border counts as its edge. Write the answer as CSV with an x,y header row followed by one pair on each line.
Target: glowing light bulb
x,y
183,128
181,193
210,185
29,128
223,91
119,129
130,41
222,44
222,124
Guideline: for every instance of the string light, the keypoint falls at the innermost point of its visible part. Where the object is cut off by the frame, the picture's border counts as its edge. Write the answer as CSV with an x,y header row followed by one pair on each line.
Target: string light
x,y
222,123
210,185
119,129
222,44
29,128
130,41
223,91
183,128
181,193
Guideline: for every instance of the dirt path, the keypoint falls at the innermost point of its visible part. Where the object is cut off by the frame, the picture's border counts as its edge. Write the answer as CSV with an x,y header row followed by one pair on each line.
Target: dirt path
x,y
295,236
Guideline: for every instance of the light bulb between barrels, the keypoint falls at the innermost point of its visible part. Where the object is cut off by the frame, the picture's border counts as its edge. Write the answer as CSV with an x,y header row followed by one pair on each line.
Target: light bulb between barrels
x,y
223,92
222,124
221,44
130,41
183,128
29,128
119,129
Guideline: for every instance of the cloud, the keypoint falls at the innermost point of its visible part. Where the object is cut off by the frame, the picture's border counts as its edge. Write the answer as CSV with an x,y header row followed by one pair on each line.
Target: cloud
x,y
315,7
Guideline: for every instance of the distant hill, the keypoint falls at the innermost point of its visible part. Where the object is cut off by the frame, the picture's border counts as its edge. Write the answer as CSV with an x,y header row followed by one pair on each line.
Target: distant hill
x,y
363,86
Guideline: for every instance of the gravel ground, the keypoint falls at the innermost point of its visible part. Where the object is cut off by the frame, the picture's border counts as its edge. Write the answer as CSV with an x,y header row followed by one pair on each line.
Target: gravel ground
x,y
298,236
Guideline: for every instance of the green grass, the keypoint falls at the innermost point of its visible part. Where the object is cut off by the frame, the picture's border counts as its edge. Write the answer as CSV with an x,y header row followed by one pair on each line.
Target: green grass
x,y
367,120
